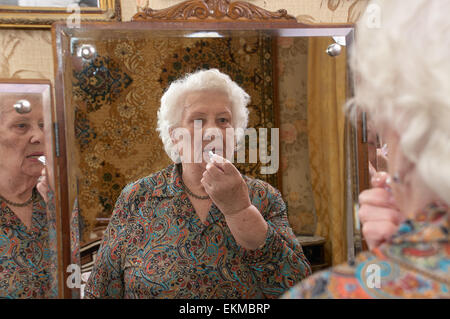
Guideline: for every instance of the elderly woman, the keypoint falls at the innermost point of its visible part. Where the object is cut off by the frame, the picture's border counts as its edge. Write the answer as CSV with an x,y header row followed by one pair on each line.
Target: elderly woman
x,y
23,222
403,70
198,229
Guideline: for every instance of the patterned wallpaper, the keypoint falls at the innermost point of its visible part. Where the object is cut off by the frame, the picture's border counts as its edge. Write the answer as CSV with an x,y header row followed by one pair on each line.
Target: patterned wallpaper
x,y
294,151
26,54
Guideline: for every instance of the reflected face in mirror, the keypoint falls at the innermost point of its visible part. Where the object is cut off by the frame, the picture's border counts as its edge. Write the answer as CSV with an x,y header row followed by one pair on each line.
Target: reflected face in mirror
x,y
21,138
210,113
24,222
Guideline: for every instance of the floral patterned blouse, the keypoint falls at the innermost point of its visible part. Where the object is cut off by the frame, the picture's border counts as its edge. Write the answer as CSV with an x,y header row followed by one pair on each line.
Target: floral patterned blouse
x,y
414,264
24,253
156,247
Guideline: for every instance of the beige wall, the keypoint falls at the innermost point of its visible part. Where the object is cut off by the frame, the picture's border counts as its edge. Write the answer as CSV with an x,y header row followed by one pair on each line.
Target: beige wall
x,y
28,53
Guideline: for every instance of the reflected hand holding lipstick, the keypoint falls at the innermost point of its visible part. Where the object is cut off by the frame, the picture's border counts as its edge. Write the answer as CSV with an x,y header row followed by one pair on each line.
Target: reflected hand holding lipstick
x,y
42,185
214,158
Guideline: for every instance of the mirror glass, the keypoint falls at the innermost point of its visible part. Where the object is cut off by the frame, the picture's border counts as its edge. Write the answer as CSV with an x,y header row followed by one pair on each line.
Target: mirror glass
x,y
111,80
28,229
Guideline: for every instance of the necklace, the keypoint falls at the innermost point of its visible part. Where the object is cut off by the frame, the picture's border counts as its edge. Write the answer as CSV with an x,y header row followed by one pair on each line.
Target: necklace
x,y
189,191
33,196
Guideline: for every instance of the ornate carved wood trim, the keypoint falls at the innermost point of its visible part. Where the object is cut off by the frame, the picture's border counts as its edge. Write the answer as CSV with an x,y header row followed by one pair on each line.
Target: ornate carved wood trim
x,y
212,10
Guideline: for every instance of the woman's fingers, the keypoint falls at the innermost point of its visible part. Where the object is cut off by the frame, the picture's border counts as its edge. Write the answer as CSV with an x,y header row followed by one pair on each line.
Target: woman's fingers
x,y
378,214
42,185
214,171
369,213
42,188
206,182
223,164
377,232
377,197
379,179
225,185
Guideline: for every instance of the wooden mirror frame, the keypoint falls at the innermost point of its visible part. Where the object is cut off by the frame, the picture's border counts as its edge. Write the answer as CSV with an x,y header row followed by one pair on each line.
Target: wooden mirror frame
x,y
212,15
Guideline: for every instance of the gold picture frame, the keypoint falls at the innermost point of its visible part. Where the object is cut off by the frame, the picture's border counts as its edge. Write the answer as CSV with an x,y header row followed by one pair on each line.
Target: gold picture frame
x,y
15,16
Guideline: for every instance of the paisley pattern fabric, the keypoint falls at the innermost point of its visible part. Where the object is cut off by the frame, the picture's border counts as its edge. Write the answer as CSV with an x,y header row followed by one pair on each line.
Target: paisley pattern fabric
x,y
414,264
156,247
24,254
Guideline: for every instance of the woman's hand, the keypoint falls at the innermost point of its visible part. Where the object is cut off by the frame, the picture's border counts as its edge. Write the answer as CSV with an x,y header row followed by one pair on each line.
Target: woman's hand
x,y
378,214
42,185
228,190
225,185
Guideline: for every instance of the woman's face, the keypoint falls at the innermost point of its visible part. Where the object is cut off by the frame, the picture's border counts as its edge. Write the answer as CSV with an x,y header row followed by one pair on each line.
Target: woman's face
x,y
206,116
21,139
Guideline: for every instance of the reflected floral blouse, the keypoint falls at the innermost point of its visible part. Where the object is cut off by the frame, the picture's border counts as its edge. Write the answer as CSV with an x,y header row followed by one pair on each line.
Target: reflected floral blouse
x,y
156,247
24,254
414,264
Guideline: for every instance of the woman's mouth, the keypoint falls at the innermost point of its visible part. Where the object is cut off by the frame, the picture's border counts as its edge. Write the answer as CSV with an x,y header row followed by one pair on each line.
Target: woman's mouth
x,y
213,150
35,157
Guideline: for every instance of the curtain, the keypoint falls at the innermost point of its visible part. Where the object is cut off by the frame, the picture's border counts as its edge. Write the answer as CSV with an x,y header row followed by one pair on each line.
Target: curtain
x,y
326,123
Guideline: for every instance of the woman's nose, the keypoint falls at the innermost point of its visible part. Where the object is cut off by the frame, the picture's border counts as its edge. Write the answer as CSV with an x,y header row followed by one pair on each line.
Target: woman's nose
x,y
37,135
211,131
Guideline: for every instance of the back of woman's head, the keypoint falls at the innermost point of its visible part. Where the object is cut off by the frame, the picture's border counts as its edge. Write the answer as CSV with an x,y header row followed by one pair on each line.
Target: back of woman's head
x,y
401,62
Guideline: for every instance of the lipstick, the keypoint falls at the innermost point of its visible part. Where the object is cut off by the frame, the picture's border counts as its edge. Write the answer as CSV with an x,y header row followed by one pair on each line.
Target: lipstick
x,y
41,159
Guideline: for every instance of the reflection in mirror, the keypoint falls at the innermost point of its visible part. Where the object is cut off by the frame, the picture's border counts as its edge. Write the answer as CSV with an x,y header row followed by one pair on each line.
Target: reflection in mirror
x,y
377,150
28,250
111,88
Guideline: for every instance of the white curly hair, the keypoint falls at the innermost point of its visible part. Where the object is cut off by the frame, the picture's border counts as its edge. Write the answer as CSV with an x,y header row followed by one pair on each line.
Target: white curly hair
x,y
402,69
172,103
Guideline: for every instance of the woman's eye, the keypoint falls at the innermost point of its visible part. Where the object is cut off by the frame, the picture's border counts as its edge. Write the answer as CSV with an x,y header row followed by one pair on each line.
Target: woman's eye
x,y
21,126
223,120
